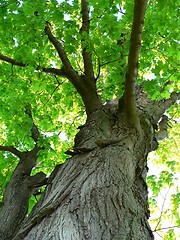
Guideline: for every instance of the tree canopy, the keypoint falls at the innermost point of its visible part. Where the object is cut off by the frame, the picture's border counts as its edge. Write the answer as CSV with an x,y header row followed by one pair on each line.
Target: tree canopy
x,y
47,50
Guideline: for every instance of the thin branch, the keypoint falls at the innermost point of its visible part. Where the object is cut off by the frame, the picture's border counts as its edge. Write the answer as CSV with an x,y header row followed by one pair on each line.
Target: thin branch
x,y
121,11
67,68
164,228
132,69
57,81
53,91
87,89
12,61
112,61
159,235
84,31
99,63
58,46
55,71
11,149
162,208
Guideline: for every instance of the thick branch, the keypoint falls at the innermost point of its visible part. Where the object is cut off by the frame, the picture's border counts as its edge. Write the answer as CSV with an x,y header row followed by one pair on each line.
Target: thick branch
x,y
87,57
132,69
55,71
12,150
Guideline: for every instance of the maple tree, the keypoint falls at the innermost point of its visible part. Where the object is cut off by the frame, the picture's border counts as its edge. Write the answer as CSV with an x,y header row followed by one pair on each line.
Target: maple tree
x,y
107,73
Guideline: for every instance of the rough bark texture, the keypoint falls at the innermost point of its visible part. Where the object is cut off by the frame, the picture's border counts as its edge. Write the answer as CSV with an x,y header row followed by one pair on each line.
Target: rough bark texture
x,y
100,192
17,193
14,206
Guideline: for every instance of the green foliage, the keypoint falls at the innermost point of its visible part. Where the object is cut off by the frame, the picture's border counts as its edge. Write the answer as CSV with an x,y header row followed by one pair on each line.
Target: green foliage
x,y
56,107
164,192
159,49
7,165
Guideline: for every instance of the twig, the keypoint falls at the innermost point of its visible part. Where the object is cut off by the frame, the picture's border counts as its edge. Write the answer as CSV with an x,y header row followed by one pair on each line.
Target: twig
x,y
164,228
162,208
53,91
99,69
115,60
120,9
159,235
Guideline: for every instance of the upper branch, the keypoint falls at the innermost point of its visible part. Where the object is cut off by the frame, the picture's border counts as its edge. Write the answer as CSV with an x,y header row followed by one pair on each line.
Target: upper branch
x,y
132,69
87,89
87,92
67,67
87,57
54,71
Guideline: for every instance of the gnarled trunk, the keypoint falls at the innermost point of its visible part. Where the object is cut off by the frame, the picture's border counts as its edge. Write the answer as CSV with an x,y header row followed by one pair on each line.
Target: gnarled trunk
x,y
100,192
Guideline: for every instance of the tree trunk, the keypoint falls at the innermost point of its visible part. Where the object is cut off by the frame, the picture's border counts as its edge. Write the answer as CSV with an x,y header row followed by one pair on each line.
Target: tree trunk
x,y
100,192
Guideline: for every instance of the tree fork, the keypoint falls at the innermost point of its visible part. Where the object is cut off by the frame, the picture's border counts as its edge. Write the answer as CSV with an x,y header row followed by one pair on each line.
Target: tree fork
x,y
82,84
85,84
21,186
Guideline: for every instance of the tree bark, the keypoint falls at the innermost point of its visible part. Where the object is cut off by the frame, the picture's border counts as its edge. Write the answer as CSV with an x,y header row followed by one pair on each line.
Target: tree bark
x,y
22,185
16,196
100,192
